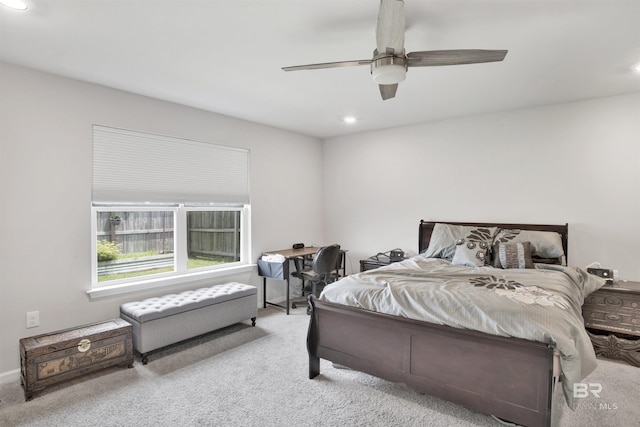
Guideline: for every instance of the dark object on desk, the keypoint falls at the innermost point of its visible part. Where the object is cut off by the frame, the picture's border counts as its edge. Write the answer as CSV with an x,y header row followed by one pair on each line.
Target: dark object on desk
x,y
381,259
324,269
298,245
612,318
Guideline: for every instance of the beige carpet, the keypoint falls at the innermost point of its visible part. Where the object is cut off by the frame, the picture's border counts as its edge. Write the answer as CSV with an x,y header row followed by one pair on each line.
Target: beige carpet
x,y
257,376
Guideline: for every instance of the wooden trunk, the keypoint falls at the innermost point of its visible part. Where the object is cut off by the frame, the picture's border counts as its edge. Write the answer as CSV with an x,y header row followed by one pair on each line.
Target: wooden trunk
x,y
54,357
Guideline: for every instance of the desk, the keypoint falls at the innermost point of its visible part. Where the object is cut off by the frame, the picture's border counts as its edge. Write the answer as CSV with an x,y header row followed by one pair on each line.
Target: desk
x,y
292,253
296,255
289,255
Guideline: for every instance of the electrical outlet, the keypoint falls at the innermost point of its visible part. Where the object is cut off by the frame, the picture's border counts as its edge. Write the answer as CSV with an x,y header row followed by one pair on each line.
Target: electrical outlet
x,y
33,319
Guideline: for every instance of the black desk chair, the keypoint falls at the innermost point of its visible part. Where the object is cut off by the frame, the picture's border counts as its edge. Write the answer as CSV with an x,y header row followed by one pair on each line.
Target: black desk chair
x,y
341,267
324,270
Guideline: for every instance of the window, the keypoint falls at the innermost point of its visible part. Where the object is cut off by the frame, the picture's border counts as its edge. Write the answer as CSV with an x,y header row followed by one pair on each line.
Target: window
x,y
134,243
213,237
165,210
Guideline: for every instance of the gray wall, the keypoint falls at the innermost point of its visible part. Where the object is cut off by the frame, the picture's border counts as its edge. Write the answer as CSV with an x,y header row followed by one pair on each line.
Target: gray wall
x,y
45,172
576,163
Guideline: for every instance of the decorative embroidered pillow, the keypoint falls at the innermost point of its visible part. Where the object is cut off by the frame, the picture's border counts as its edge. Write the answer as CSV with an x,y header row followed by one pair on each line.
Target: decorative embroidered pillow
x,y
512,255
545,245
470,253
444,237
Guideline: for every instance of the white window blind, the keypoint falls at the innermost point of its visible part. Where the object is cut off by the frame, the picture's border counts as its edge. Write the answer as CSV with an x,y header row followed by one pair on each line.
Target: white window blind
x,y
135,167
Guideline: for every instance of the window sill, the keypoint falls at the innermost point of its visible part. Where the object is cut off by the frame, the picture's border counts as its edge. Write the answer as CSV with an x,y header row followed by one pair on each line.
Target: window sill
x,y
143,285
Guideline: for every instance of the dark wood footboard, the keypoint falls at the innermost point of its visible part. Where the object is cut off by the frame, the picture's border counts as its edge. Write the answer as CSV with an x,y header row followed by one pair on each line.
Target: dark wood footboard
x,y
506,377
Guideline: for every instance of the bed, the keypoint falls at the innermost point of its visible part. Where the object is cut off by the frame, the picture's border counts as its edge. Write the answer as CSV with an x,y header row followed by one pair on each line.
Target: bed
x,y
494,372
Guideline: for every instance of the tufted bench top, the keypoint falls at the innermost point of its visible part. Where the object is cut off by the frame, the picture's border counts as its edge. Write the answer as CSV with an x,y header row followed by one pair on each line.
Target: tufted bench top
x,y
167,305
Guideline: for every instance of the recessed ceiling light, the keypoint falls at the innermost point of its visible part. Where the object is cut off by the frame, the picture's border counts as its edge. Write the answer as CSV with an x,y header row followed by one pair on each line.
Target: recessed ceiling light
x,y
349,119
636,68
14,4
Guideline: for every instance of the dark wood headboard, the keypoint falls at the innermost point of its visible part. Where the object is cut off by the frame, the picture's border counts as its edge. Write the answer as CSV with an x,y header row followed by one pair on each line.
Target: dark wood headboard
x,y
426,228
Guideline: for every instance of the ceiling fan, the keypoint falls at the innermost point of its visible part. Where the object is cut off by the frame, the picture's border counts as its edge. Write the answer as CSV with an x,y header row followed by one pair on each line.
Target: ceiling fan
x,y
390,63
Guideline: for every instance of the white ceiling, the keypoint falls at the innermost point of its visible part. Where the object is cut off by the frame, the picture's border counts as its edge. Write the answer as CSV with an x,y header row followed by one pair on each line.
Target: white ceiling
x,y
225,56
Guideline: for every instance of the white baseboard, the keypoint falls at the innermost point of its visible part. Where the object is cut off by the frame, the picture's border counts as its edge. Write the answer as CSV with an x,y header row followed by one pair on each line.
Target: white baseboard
x,y
9,376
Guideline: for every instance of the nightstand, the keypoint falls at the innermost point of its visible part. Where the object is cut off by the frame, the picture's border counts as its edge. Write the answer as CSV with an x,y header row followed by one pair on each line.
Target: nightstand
x,y
376,261
370,264
612,318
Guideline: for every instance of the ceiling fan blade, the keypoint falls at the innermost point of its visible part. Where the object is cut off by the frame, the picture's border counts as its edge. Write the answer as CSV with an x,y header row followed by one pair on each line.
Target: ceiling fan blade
x,y
430,58
328,65
388,91
391,26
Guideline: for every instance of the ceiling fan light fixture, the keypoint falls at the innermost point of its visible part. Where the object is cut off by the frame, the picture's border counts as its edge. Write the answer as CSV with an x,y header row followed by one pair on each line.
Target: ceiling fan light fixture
x,y
389,70
389,74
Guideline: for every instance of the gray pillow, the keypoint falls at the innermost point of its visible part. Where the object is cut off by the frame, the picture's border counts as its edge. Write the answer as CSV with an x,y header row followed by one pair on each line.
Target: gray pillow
x,y
444,237
544,244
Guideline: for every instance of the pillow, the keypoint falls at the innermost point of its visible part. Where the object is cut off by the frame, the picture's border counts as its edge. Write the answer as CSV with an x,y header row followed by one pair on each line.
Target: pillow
x,y
512,255
470,253
544,244
444,237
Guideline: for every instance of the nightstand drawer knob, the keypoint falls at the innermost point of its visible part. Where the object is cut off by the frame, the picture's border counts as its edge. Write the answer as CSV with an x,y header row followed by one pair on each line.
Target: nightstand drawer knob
x,y
613,301
634,304
613,317
634,321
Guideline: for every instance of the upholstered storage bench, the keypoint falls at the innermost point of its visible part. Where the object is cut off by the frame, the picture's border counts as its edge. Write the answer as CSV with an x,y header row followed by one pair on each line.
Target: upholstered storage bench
x,y
168,319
